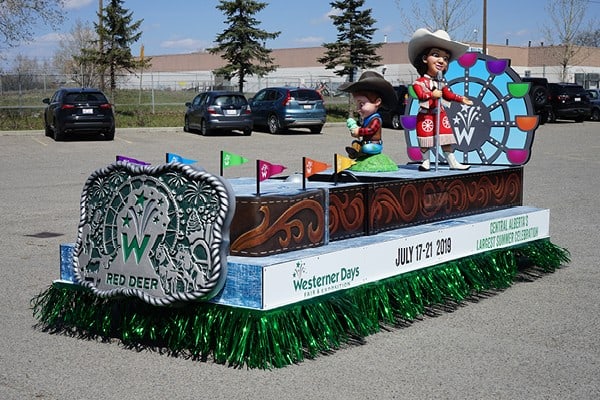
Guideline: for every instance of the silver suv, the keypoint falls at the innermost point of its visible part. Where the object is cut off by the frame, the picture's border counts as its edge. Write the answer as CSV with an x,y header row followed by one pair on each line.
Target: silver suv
x,y
280,108
218,110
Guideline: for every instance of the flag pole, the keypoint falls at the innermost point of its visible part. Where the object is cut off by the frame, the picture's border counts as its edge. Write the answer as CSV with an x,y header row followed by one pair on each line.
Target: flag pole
x,y
221,165
335,167
303,173
258,178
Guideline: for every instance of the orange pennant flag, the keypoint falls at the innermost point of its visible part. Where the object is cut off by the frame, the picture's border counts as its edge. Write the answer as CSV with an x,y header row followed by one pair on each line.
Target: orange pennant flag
x,y
312,167
343,163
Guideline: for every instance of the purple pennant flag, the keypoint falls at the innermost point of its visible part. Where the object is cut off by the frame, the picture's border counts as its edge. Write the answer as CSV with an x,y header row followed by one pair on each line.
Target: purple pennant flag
x,y
132,160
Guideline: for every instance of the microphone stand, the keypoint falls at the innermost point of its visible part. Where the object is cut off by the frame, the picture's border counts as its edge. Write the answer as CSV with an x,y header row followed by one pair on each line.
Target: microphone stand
x,y
439,79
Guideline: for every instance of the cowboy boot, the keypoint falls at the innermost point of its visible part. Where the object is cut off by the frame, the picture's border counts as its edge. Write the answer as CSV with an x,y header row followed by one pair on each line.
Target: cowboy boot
x,y
425,165
354,150
455,164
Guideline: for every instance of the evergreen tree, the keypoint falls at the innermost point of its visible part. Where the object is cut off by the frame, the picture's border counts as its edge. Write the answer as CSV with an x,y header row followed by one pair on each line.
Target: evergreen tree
x,y
242,43
353,48
116,33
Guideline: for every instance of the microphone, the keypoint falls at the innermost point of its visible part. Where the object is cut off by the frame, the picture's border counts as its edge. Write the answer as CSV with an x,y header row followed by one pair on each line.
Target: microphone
x,y
439,78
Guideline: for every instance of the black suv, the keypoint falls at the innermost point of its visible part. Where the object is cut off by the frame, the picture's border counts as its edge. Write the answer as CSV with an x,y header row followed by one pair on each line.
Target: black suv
x,y
540,97
72,110
569,101
391,118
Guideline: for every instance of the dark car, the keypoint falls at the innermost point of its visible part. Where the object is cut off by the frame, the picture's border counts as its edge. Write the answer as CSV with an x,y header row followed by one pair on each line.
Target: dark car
x,y
78,110
218,110
594,95
280,108
391,118
569,101
540,97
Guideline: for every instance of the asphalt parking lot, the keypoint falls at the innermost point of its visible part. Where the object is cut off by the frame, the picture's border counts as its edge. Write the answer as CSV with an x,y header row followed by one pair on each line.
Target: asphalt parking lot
x,y
535,340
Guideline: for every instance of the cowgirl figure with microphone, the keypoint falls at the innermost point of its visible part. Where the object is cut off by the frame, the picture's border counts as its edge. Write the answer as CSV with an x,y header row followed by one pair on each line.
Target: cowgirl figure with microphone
x,y
430,53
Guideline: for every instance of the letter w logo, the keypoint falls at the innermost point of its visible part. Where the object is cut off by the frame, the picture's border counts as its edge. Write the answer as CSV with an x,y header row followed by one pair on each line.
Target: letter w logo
x,y
464,135
135,246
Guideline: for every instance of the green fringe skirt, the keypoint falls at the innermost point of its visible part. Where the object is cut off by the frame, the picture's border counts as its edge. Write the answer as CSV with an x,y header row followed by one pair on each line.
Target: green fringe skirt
x,y
242,337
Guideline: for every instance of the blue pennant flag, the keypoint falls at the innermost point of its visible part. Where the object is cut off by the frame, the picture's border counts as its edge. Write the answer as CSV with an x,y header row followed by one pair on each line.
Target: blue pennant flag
x,y
171,157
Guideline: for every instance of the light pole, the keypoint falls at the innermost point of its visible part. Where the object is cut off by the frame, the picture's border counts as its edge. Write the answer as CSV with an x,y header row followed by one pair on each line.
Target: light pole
x,y
484,35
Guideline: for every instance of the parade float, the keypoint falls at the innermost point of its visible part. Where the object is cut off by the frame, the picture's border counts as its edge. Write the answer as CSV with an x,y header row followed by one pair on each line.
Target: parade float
x,y
265,271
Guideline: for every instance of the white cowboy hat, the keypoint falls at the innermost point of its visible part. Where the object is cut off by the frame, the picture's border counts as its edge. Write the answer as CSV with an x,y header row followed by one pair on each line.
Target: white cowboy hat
x,y
423,39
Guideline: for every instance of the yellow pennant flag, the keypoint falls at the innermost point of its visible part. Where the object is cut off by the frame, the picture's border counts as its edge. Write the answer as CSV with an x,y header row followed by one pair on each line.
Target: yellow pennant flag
x,y
343,163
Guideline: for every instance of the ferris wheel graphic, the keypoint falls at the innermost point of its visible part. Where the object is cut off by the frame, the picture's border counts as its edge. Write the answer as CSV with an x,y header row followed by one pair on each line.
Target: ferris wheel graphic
x,y
498,129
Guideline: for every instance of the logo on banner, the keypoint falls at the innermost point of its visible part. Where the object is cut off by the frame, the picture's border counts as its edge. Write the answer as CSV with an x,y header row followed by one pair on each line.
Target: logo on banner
x,y
316,285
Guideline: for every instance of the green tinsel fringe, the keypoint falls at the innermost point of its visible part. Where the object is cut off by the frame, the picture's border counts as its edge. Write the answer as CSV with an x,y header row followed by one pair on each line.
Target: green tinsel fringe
x,y
265,339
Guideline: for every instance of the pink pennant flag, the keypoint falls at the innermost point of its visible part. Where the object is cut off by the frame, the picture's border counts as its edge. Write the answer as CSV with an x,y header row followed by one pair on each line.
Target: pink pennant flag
x,y
266,170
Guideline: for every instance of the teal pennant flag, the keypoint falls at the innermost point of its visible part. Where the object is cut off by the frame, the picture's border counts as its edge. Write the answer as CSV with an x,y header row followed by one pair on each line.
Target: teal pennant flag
x,y
172,157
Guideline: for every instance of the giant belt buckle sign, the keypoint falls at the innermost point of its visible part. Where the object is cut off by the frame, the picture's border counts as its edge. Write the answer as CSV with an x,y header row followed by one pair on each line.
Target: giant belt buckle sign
x,y
158,233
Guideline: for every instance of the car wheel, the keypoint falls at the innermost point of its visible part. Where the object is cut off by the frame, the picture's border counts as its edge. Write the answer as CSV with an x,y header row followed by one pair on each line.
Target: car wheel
x,y
58,133
47,129
204,129
110,135
579,119
247,132
551,116
273,124
316,129
396,122
539,95
186,124
595,114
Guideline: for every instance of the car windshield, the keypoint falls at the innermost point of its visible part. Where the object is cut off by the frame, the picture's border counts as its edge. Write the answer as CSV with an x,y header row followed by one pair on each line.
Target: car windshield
x,y
574,90
570,89
85,97
305,95
230,101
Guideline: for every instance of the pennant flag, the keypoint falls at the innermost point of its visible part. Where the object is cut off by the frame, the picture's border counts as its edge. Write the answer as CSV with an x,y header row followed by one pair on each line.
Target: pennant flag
x,y
312,167
231,160
131,160
343,163
266,170
172,157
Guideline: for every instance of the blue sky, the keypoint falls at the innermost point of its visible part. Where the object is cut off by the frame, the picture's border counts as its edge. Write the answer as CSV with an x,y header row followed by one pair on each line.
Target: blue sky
x,y
184,26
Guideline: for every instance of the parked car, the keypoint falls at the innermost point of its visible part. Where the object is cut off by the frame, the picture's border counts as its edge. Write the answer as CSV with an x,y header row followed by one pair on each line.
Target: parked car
x,y
280,108
391,118
218,110
594,95
569,101
78,110
540,97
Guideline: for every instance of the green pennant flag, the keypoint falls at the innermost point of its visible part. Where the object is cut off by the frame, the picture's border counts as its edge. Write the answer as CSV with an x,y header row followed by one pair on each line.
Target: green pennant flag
x,y
230,159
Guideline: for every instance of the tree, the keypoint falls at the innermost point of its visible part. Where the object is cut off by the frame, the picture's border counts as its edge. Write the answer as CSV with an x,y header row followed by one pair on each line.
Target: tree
x,y
242,43
566,18
68,58
451,16
590,38
353,48
19,17
116,33
25,74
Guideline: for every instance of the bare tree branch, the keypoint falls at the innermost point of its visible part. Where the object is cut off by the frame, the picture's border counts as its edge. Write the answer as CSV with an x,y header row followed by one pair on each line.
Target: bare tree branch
x,y
18,18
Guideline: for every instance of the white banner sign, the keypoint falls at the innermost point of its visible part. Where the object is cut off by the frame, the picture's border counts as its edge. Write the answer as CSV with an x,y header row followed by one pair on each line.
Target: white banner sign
x,y
431,244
